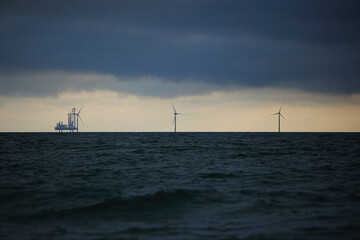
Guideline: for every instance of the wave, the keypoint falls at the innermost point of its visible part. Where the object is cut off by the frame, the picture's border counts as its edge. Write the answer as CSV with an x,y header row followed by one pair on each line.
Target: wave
x,y
160,203
219,175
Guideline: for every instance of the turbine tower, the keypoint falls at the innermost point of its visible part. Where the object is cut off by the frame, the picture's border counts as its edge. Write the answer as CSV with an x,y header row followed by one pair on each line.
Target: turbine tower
x,y
175,114
279,115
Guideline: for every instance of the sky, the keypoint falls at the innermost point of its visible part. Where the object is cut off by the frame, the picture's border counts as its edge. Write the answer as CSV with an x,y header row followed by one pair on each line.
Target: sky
x,y
226,65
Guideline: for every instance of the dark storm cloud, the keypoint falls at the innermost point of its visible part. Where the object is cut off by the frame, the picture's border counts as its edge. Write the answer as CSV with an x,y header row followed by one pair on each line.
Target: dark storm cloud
x,y
312,45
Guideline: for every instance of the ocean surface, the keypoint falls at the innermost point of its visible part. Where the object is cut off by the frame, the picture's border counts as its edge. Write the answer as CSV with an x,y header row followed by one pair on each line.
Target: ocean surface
x,y
180,186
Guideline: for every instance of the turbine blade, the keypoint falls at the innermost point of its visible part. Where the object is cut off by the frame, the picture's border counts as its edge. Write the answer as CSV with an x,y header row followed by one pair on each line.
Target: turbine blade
x,y
81,120
282,103
274,114
282,116
173,121
173,107
80,110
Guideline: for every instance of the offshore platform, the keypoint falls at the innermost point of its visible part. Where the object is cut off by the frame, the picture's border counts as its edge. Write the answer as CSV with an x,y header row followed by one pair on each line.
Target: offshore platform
x,y
73,122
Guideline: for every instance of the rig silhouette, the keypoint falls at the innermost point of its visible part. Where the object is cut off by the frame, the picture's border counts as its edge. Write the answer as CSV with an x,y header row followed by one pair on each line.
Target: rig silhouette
x,y
73,122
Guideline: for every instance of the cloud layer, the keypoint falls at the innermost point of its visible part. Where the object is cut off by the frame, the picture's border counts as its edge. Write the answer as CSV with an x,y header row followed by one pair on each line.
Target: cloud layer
x,y
309,45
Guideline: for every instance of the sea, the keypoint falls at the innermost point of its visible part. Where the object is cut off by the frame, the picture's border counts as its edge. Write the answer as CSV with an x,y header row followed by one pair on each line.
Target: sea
x,y
180,186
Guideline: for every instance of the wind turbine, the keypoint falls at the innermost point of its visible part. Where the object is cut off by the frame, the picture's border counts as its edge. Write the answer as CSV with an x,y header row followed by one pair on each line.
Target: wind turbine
x,y
175,114
77,119
280,115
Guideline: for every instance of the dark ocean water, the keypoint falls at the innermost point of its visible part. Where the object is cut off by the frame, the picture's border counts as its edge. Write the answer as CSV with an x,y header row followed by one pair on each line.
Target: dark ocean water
x,y
180,186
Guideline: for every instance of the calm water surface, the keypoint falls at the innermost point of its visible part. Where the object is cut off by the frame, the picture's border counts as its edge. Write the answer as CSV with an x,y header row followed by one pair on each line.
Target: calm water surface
x,y
180,186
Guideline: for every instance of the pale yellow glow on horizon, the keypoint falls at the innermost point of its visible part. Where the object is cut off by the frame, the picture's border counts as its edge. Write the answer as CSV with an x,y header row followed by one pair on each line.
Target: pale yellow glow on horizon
x,y
247,110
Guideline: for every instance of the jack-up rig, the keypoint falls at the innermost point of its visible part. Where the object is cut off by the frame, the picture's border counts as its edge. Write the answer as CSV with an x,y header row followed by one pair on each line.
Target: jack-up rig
x,y
73,122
